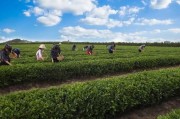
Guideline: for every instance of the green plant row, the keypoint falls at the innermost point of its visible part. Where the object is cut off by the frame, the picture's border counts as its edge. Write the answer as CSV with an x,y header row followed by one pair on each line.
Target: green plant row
x,y
97,99
60,72
175,114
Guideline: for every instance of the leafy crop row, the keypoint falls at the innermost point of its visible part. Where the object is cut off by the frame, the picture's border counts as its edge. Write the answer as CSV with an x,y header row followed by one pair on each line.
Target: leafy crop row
x,y
94,99
61,72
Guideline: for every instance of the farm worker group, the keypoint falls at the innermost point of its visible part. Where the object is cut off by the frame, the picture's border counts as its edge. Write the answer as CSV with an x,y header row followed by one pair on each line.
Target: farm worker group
x,y
7,52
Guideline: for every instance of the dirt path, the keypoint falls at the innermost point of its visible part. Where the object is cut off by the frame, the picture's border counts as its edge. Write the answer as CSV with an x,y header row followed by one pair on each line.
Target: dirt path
x,y
152,112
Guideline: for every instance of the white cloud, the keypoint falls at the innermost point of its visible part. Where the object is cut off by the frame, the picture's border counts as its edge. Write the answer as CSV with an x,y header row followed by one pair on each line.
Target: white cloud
x,y
144,2
100,16
27,13
3,39
178,1
8,30
174,30
49,20
101,12
127,10
94,21
158,31
81,34
78,7
37,11
77,33
160,4
46,17
49,13
143,21
129,22
110,23
114,23
55,12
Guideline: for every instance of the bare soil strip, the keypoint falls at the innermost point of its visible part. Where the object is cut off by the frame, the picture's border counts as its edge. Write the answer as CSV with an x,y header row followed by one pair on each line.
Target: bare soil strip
x,y
152,112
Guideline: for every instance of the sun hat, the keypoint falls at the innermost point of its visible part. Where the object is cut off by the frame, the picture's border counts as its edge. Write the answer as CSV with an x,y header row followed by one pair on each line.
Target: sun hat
x,y
42,46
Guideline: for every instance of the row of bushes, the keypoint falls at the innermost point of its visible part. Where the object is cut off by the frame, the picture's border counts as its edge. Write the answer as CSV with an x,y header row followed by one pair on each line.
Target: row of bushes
x,y
175,114
63,71
171,44
97,99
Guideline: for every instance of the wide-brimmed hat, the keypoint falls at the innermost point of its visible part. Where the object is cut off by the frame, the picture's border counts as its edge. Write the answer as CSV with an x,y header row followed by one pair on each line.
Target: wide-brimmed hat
x,y
42,46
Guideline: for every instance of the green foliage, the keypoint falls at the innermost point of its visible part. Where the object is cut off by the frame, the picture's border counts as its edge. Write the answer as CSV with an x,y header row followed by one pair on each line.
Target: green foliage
x,y
77,64
61,72
94,99
175,114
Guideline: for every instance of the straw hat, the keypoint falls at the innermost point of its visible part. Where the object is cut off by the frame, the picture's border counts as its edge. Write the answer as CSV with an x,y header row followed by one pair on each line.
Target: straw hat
x,y
42,46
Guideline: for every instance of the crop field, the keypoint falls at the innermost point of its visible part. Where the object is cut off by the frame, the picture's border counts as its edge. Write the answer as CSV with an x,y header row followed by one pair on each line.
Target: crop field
x,y
100,52
101,98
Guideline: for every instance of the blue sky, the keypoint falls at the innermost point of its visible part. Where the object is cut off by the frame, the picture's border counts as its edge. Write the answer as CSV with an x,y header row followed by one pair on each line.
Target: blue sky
x,y
90,20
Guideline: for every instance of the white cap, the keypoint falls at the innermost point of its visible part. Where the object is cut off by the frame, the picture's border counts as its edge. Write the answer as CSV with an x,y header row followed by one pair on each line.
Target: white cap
x,y
42,46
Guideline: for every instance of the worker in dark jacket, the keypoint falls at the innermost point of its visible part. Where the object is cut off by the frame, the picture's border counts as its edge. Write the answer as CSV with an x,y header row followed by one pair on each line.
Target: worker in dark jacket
x,y
111,48
4,55
55,52
16,53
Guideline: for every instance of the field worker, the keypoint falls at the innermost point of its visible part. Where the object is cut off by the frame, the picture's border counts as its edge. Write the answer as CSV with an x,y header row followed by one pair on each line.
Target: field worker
x,y
73,47
141,48
85,47
111,48
39,53
55,52
4,55
16,53
89,49
114,45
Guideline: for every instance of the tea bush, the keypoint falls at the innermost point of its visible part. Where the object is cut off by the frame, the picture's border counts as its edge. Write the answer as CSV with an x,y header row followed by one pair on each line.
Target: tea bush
x,y
94,99
60,72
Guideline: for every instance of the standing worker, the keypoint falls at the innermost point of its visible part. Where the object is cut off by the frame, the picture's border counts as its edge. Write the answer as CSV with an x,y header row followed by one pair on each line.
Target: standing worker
x,y
4,55
39,53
